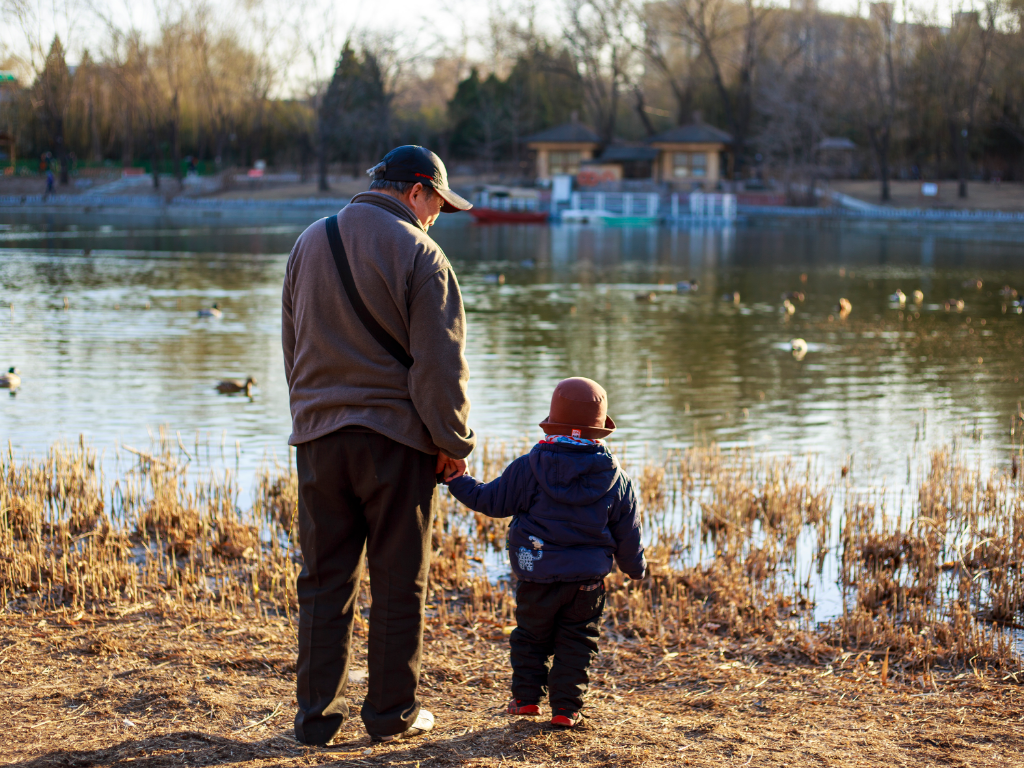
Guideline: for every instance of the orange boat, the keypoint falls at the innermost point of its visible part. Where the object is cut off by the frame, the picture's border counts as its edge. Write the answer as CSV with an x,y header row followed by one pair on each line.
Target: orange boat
x,y
496,216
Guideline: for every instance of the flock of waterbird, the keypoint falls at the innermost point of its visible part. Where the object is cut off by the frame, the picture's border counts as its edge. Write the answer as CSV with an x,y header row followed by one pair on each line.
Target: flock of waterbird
x,y
12,379
844,307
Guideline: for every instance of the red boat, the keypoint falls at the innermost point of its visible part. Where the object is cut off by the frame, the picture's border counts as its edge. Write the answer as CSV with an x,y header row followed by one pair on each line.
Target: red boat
x,y
496,216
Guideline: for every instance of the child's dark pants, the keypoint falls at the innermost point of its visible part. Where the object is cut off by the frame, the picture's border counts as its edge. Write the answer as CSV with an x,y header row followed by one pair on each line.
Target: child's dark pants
x,y
561,619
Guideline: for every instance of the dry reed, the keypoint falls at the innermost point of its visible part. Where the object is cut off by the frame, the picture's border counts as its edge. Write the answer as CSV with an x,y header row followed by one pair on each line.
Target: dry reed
x,y
739,546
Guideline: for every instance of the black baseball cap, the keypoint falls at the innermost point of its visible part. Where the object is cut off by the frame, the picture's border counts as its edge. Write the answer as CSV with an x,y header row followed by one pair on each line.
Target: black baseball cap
x,y
414,163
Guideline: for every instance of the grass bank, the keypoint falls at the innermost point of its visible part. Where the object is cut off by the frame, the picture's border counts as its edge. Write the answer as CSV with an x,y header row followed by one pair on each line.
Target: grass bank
x,y
148,617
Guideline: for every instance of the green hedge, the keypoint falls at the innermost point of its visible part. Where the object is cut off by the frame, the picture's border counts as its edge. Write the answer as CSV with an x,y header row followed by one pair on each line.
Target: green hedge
x,y
31,167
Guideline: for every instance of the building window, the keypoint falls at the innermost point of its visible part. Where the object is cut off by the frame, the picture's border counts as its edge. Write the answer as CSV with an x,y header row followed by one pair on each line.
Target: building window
x,y
689,164
564,162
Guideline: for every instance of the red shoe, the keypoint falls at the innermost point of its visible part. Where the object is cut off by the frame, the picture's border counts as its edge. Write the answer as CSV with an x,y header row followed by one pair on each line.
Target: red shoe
x,y
517,707
566,718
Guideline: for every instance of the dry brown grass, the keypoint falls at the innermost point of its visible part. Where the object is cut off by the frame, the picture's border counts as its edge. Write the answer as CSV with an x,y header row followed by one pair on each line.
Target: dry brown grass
x,y
148,619
152,687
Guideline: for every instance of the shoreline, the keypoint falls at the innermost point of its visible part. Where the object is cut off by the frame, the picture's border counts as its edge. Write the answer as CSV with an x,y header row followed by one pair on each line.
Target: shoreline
x,y
976,223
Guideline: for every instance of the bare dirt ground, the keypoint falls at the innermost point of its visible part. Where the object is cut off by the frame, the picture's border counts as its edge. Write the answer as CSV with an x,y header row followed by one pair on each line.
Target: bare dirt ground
x,y
1006,196
150,687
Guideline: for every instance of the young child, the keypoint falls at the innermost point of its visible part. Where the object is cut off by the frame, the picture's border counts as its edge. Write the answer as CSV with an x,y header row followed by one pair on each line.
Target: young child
x,y
573,510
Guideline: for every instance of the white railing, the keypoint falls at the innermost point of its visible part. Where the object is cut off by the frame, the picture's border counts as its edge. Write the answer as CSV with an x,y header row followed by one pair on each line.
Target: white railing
x,y
507,202
644,204
705,206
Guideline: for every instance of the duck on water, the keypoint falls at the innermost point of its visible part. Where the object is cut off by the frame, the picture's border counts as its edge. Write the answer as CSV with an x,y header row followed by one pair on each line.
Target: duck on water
x,y
212,311
234,386
10,380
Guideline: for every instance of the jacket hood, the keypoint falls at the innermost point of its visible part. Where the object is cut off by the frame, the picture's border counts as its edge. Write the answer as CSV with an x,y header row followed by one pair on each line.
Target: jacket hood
x,y
572,474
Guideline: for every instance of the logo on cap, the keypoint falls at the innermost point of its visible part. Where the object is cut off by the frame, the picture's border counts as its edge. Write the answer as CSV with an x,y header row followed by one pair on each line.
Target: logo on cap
x,y
576,433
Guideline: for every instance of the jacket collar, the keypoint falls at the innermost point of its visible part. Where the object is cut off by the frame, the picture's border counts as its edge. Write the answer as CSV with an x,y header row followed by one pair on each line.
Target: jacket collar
x,y
389,204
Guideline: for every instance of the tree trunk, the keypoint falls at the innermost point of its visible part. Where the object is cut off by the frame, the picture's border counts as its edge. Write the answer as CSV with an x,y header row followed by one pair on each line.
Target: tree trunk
x,y
961,168
321,151
642,112
304,159
94,131
176,142
128,147
959,142
62,153
880,143
218,151
157,156
684,105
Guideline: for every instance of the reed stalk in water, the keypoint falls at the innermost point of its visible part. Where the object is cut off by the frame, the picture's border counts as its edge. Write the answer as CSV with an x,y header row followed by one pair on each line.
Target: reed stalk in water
x,y
740,547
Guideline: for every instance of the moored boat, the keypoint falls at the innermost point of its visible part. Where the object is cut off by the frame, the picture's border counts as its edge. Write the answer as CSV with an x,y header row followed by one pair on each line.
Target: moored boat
x,y
495,216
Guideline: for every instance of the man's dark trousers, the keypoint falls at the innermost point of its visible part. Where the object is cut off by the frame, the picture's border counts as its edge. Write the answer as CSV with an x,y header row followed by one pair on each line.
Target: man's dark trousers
x,y
361,492
561,619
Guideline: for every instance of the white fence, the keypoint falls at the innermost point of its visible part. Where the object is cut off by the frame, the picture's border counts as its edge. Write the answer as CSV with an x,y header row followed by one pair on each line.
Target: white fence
x,y
617,203
508,202
704,206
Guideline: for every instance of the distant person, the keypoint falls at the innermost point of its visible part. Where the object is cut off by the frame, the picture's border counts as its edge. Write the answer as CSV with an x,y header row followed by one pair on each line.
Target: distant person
x,y
374,335
49,183
573,512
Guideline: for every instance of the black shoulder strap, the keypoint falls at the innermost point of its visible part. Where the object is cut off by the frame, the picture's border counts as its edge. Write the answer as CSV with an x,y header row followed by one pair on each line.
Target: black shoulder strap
x,y
384,338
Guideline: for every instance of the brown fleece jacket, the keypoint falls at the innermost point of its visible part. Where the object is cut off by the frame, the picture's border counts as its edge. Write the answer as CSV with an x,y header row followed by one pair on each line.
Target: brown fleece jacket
x,y
338,374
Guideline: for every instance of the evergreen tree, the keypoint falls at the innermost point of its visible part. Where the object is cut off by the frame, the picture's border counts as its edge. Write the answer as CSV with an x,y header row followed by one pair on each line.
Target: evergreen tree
x,y
356,111
53,94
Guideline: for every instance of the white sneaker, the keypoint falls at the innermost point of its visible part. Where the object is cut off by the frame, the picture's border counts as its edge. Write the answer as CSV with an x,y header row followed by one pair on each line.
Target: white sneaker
x,y
424,723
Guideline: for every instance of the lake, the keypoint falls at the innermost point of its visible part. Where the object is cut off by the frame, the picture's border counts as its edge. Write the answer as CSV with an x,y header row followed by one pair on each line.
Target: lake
x,y
100,315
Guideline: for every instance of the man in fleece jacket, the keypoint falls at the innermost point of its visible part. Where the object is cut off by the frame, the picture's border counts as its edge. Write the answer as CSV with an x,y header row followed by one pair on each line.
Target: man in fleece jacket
x,y
377,413
573,511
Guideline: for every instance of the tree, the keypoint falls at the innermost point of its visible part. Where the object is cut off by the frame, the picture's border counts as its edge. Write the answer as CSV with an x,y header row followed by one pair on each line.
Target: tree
x,y
669,47
877,75
793,103
53,94
731,39
1008,83
598,38
955,63
542,89
478,115
356,109
47,58
170,60
489,116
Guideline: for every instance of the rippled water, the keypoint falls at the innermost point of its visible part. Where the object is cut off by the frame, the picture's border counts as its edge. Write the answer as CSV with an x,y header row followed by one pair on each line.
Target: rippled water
x,y
129,353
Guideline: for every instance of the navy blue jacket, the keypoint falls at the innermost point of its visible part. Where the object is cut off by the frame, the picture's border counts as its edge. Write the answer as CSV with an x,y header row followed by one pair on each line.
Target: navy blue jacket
x,y
573,510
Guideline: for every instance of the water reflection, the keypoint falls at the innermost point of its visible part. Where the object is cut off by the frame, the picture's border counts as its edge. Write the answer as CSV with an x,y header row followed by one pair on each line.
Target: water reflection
x,y
130,354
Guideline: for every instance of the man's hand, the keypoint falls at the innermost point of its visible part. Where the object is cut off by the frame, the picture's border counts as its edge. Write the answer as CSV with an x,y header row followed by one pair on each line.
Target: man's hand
x,y
449,468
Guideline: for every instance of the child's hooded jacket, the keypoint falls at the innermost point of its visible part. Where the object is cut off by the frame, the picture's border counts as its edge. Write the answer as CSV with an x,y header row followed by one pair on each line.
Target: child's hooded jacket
x,y
574,511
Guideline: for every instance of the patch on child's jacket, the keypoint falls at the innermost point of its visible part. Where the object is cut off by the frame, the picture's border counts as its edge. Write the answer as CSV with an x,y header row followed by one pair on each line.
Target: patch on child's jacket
x,y
528,557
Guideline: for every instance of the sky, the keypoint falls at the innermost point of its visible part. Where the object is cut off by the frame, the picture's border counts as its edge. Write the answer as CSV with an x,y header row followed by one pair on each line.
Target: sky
x,y
455,25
